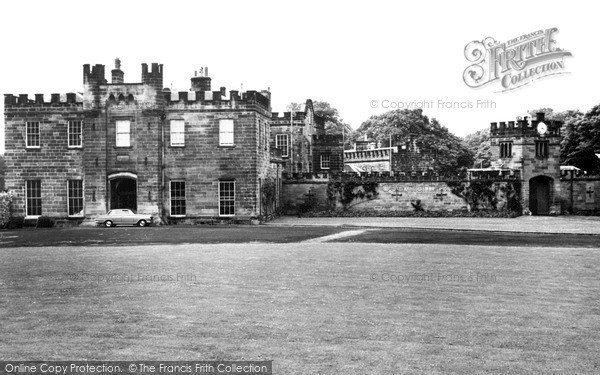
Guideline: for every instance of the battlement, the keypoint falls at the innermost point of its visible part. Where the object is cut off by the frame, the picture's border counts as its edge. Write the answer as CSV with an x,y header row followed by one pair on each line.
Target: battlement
x,y
328,139
56,100
153,77
216,98
525,128
95,75
298,116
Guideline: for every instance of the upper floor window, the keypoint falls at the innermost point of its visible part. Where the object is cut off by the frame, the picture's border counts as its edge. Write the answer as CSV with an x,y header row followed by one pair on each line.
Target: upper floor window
x,y
505,149
541,149
281,142
123,128
177,133
75,133
226,132
325,161
33,134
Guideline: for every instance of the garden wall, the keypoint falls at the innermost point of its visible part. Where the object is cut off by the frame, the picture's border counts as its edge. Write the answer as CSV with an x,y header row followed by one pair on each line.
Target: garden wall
x,y
384,193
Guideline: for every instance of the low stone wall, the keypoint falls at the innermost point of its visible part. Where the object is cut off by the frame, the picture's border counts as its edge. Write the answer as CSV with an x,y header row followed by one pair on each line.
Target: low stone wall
x,y
375,194
585,196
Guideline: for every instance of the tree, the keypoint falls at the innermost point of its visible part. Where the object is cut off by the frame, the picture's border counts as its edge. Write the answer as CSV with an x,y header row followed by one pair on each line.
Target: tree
x,y
581,141
451,153
333,123
479,144
550,115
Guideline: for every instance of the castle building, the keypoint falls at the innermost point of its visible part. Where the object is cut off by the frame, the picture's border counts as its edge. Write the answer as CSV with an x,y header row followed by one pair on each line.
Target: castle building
x,y
181,155
401,156
304,146
530,151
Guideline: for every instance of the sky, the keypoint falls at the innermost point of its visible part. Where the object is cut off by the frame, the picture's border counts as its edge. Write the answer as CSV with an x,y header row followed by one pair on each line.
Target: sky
x,y
364,58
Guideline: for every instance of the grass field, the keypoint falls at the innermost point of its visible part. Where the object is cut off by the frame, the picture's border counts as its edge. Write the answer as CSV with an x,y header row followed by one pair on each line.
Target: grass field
x,y
311,308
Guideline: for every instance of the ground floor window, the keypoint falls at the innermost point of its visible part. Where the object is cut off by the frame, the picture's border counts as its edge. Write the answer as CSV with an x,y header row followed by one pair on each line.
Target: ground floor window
x,y
226,198
75,197
177,198
33,191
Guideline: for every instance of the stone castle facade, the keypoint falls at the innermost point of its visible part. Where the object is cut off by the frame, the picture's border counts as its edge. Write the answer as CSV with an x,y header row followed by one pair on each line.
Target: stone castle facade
x,y
199,153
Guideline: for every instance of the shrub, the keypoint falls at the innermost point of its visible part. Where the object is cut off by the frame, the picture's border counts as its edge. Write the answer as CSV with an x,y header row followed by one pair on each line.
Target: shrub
x,y
15,222
45,222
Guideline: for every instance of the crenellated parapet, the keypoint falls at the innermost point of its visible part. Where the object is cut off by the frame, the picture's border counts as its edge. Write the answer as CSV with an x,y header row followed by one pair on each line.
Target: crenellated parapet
x,y
524,127
328,139
40,100
285,117
200,99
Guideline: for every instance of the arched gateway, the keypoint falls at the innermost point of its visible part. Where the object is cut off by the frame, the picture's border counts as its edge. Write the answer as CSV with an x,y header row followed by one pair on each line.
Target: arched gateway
x,y
540,189
123,190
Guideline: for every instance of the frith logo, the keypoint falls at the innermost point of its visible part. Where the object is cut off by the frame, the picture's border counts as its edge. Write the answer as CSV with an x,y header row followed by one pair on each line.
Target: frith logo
x,y
515,63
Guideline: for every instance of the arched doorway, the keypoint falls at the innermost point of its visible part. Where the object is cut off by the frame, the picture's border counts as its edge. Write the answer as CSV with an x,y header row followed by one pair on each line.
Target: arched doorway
x,y
123,191
539,195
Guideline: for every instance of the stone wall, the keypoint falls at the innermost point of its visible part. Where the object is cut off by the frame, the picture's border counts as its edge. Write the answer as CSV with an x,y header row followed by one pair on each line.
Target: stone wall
x,y
585,197
392,195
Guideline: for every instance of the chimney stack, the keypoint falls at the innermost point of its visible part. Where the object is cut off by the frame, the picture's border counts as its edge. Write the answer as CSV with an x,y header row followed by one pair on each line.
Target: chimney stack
x,y
117,73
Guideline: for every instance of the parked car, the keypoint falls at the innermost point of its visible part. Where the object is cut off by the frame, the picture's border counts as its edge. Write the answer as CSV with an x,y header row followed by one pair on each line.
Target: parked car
x,y
124,216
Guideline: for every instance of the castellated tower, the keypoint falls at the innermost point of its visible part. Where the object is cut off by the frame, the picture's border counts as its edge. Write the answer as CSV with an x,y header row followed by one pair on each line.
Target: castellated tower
x,y
533,149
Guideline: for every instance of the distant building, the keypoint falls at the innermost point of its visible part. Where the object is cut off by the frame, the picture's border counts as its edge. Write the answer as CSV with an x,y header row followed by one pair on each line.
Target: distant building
x,y
403,157
304,146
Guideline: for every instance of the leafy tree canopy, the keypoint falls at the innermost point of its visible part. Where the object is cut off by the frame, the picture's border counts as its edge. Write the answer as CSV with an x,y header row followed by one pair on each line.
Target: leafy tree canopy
x,y
581,140
451,153
479,144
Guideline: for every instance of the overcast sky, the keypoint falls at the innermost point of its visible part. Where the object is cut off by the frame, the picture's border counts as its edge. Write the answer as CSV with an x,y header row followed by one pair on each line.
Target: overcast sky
x,y
348,54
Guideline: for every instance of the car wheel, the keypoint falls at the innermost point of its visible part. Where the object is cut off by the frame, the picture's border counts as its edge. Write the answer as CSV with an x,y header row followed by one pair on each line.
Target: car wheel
x,y
108,223
142,223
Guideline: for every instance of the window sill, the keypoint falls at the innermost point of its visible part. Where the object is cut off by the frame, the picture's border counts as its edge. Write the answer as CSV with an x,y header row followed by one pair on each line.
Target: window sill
x,y
177,216
177,146
33,147
75,147
226,146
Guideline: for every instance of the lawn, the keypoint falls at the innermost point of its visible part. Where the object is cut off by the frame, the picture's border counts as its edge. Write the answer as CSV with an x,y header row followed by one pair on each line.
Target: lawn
x,y
311,308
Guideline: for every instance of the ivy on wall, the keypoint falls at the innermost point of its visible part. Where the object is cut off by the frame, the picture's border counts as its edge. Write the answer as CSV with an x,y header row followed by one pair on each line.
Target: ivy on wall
x,y
345,192
483,194
5,206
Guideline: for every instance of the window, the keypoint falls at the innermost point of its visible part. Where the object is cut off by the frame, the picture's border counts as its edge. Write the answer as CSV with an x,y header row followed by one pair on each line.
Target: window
x,y
123,128
505,149
226,198
281,142
541,149
177,198
75,197
33,134
177,133
226,132
33,190
75,134
325,161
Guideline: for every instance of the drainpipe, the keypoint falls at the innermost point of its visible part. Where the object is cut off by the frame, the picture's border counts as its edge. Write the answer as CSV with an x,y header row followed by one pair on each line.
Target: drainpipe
x,y
162,167
572,208
106,202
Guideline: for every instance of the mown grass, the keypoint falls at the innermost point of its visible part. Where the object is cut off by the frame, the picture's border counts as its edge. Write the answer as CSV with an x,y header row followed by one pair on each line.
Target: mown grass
x,y
311,308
